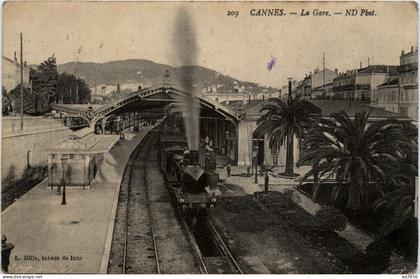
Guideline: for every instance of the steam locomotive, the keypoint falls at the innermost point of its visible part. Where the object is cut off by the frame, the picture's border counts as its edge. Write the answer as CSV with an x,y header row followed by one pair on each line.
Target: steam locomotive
x,y
185,175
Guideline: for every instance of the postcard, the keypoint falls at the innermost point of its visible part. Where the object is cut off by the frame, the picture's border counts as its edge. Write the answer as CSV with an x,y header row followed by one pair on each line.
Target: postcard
x,y
209,137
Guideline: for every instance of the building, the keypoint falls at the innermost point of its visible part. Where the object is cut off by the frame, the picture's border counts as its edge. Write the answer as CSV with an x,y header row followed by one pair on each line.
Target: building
x,y
400,93
408,97
362,84
284,90
228,97
11,74
249,144
319,79
323,91
314,85
388,95
77,160
305,88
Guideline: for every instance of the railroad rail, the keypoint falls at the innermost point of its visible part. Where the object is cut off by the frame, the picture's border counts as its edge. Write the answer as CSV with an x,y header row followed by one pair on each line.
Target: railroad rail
x,y
211,251
148,238
138,197
134,248
226,251
152,228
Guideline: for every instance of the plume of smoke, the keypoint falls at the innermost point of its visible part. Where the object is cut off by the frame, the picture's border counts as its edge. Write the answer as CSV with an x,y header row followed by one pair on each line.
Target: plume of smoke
x,y
186,50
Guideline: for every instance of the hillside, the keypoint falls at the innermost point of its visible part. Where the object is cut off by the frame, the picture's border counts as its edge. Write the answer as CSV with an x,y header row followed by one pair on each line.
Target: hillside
x,y
133,72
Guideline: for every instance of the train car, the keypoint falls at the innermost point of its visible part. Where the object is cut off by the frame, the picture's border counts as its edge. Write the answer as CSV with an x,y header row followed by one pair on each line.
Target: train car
x,y
186,177
193,193
169,145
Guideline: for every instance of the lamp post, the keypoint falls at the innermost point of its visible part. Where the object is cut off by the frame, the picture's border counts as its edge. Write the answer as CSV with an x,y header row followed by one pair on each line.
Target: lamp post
x,y
255,162
64,163
227,144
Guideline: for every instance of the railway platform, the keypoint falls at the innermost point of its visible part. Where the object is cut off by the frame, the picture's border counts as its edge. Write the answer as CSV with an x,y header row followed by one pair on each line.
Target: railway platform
x,y
74,238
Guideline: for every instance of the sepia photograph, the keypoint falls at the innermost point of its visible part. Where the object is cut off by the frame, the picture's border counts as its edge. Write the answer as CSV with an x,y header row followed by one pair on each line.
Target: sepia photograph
x,y
197,137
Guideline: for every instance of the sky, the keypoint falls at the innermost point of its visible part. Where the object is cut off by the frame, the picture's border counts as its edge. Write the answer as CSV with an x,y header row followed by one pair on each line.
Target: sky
x,y
237,46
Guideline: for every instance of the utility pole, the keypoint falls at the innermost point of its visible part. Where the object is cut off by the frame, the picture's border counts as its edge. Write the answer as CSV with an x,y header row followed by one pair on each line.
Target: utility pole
x,y
77,94
289,95
21,82
323,71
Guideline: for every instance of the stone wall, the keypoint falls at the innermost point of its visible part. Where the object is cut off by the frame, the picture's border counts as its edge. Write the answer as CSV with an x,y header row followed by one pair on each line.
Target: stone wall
x,y
29,146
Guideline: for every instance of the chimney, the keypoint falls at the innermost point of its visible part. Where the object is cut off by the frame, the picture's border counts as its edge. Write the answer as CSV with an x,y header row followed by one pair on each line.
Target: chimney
x,y
139,88
15,57
360,64
290,87
368,61
402,52
336,71
412,49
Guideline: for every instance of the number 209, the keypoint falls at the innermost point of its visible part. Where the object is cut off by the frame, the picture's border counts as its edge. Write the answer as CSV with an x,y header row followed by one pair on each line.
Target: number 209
x,y
233,13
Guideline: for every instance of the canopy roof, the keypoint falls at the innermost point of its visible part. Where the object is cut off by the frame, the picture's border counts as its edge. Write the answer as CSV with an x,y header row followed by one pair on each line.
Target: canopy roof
x,y
85,141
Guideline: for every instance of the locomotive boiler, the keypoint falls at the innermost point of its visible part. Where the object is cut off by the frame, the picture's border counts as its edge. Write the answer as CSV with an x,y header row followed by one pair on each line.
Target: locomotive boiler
x,y
187,178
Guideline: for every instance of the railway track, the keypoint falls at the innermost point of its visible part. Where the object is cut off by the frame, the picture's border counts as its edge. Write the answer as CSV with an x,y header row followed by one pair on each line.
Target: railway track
x,y
226,253
134,248
147,237
211,251
140,232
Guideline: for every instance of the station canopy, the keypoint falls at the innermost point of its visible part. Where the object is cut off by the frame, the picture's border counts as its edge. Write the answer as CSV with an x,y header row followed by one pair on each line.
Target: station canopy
x,y
84,141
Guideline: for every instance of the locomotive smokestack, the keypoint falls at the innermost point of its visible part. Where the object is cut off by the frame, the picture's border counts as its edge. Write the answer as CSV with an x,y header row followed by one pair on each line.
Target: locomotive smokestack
x,y
194,157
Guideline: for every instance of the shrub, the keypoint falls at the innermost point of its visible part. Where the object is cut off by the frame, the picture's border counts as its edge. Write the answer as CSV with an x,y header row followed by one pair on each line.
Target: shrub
x,y
378,253
292,195
330,219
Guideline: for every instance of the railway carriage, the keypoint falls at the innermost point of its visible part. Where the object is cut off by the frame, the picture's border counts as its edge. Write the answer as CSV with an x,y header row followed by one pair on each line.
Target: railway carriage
x,y
188,180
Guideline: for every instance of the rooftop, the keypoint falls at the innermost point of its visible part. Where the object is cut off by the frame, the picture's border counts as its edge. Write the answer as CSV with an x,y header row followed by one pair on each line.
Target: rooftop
x,y
378,69
327,107
85,141
394,81
80,107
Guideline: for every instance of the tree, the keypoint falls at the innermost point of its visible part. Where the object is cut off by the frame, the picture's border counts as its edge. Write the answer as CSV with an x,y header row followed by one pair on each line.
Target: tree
x,y
44,81
284,120
31,102
72,90
355,152
399,196
6,102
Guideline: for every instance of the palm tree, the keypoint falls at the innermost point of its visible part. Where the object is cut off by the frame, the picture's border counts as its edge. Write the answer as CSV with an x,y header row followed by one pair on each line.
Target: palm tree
x,y
284,120
355,152
400,195
398,202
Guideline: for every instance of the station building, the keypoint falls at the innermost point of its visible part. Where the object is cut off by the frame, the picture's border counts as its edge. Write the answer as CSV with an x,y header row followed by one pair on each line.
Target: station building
x,y
247,144
77,160
229,124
